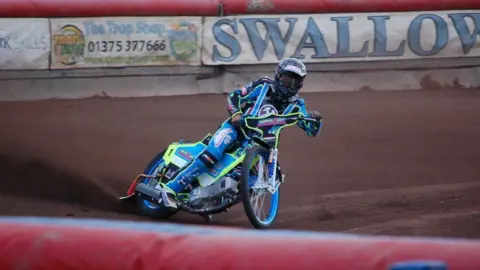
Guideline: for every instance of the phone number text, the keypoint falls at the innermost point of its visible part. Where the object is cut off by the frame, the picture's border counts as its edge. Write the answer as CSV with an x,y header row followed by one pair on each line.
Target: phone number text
x,y
126,45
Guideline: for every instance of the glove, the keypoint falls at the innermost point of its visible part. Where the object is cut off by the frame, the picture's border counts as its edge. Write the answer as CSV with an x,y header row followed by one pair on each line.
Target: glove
x,y
315,115
237,120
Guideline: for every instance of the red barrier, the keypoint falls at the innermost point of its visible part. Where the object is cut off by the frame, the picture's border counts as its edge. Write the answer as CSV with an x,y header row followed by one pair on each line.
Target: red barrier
x,y
103,8
234,7
55,247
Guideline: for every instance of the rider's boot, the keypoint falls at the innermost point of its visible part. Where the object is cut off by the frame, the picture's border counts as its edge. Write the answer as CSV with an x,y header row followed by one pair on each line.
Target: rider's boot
x,y
183,180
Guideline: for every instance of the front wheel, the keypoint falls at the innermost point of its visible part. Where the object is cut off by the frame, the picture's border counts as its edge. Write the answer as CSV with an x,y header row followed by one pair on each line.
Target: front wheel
x,y
253,188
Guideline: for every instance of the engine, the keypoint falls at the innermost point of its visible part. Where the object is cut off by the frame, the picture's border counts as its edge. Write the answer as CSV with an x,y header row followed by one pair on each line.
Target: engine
x,y
223,187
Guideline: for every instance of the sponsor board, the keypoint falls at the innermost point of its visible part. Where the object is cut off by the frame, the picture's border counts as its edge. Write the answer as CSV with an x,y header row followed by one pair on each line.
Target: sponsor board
x,y
24,44
263,39
125,41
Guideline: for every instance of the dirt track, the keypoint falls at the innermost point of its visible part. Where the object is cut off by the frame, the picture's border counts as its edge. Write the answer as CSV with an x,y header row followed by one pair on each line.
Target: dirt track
x,y
399,163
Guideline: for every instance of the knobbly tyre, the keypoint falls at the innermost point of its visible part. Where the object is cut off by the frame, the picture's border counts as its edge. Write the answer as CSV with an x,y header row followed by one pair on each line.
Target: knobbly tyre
x,y
248,170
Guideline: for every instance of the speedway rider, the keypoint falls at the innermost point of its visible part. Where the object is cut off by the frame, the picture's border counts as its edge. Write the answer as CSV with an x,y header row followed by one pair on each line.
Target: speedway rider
x,y
281,97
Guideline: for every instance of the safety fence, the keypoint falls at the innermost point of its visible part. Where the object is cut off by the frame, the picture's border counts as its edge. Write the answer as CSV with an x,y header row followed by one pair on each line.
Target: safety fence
x,y
50,243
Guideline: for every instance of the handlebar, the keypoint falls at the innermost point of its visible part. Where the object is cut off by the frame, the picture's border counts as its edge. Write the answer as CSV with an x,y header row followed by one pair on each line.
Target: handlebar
x,y
308,119
299,118
267,123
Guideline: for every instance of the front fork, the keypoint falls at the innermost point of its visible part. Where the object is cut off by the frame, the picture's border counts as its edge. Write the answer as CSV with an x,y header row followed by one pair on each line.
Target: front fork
x,y
272,171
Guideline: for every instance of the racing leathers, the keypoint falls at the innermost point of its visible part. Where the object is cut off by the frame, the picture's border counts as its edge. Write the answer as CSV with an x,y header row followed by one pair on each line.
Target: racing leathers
x,y
254,99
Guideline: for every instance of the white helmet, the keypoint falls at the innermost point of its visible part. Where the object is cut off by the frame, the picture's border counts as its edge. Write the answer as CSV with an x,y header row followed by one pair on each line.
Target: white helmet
x,y
289,77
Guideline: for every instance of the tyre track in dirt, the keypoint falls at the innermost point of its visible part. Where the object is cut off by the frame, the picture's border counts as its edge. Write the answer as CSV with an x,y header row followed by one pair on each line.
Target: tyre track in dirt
x,y
399,163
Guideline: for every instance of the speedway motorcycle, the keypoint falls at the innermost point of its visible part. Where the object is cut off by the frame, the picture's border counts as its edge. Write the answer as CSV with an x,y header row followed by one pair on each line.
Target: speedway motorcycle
x,y
247,173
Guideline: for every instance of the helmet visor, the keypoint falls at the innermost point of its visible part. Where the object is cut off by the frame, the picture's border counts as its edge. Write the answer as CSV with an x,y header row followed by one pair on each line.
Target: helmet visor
x,y
290,80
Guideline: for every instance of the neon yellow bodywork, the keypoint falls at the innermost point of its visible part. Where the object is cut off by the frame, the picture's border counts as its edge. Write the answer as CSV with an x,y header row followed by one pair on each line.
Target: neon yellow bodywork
x,y
229,161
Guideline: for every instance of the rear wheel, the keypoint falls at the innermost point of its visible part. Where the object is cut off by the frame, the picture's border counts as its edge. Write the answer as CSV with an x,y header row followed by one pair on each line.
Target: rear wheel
x,y
145,205
253,189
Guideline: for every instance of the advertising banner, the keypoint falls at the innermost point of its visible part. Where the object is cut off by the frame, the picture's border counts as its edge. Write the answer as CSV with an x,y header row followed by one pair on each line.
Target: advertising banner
x,y
315,38
24,44
125,41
